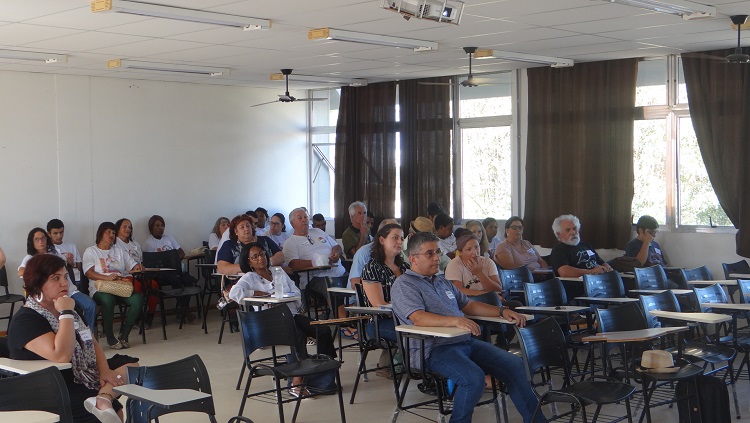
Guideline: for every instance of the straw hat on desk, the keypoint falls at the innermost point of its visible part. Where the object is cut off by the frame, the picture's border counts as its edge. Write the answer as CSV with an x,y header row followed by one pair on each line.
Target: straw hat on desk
x,y
658,361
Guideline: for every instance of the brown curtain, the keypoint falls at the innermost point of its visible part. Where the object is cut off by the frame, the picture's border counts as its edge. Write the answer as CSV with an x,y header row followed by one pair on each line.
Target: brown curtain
x,y
426,128
580,151
365,151
718,95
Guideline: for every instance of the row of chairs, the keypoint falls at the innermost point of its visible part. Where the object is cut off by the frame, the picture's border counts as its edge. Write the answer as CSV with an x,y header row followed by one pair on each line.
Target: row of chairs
x,y
45,390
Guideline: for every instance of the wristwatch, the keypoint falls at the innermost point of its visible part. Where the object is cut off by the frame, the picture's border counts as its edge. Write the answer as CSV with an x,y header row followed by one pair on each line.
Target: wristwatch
x,y
70,312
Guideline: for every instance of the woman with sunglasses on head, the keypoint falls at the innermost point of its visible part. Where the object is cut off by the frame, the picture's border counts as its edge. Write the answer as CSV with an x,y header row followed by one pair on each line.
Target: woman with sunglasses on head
x,y
242,233
48,328
258,281
515,251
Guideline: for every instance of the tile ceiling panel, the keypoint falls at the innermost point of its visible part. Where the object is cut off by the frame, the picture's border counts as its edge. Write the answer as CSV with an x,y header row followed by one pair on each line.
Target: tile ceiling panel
x,y
86,41
583,30
21,34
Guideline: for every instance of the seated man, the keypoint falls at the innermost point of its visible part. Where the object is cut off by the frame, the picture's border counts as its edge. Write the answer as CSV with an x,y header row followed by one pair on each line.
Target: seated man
x,y
444,231
307,246
319,221
358,233
422,298
572,258
643,247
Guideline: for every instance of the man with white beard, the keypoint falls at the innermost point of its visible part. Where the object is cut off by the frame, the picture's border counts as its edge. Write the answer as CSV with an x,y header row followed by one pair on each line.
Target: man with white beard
x,y
572,258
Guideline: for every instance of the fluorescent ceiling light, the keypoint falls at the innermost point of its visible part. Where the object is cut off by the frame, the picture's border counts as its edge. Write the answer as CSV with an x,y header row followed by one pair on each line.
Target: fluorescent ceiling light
x,y
33,56
555,62
179,13
166,67
352,82
444,11
687,9
377,39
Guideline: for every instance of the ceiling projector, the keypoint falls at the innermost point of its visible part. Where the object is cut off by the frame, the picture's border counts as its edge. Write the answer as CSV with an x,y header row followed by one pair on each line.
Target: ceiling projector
x,y
436,10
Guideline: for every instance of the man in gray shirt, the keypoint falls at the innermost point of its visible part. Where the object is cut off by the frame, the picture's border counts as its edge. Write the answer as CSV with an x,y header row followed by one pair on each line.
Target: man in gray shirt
x,y
421,297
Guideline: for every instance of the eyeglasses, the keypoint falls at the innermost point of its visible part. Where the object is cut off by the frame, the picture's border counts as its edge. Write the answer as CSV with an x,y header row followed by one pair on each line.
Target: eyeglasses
x,y
39,239
516,227
275,223
430,253
257,257
310,239
653,232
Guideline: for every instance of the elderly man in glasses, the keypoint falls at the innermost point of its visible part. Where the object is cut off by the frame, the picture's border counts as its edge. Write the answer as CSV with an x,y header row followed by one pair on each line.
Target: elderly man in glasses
x,y
643,247
421,297
571,258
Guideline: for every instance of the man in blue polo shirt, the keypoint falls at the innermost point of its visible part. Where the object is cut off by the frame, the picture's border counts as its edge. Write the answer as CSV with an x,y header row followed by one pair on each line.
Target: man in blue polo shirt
x,y
421,297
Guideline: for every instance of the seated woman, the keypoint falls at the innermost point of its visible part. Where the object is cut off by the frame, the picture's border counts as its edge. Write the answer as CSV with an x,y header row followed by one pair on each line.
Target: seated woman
x,y
39,242
159,241
385,265
125,241
277,230
258,280
477,229
221,225
471,273
46,327
105,262
515,251
242,229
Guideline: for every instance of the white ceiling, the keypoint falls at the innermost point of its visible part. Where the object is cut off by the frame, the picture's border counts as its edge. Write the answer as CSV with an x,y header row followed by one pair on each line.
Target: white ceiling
x,y
582,30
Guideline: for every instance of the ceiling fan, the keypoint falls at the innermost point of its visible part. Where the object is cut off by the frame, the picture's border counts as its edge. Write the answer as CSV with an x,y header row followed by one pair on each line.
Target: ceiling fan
x,y
471,80
286,97
738,57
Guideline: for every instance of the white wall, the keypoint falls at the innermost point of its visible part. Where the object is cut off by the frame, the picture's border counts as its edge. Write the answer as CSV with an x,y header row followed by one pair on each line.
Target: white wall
x,y
89,149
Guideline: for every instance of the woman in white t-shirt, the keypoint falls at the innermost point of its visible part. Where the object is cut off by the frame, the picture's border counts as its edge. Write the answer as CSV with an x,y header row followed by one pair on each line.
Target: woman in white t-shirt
x,y
105,262
38,242
125,241
221,225
469,271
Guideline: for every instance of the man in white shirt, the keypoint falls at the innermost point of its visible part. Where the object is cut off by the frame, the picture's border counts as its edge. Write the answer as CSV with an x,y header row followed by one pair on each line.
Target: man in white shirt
x,y
69,251
309,247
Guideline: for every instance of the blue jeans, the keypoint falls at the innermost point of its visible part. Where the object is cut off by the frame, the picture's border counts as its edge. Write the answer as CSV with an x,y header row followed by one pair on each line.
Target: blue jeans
x,y
386,329
88,306
467,362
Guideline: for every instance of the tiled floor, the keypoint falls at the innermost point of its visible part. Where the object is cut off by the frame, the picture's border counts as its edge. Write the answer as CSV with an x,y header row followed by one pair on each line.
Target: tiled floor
x,y
375,399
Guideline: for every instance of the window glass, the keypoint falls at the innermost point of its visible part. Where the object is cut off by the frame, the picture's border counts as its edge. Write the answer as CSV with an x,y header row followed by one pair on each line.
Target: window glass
x,y
651,85
650,169
326,112
322,175
698,202
493,99
681,90
486,180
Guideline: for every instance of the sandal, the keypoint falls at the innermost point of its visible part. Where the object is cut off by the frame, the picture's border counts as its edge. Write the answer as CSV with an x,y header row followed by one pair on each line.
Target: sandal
x,y
300,391
311,341
350,333
108,415
125,343
117,345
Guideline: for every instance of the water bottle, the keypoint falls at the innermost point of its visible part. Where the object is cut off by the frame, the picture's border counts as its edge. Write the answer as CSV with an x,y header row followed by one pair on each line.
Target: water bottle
x,y
278,282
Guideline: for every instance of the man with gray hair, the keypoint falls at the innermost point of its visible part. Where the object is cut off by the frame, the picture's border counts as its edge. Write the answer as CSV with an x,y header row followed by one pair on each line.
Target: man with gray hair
x,y
420,297
358,233
572,258
309,247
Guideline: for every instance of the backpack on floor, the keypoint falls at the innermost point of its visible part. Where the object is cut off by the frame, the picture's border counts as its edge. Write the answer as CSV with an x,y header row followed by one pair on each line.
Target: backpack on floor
x,y
714,401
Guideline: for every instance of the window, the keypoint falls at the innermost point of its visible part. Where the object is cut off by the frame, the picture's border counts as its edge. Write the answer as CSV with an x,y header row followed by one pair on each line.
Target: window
x,y
485,180
323,117
671,183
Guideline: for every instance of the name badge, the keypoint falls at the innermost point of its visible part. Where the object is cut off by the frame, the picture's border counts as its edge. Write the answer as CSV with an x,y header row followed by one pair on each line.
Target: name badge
x,y
658,251
590,253
86,335
450,295
531,251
